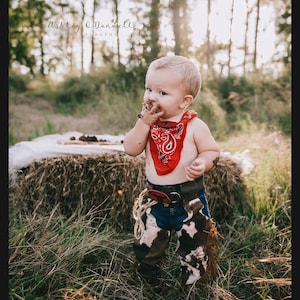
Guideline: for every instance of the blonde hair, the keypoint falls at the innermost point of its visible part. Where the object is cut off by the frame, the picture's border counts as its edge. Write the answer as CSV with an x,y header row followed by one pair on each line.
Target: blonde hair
x,y
191,77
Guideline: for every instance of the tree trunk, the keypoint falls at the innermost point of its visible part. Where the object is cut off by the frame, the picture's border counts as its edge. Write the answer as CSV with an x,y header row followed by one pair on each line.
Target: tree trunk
x,y
93,38
230,39
42,68
116,12
208,46
256,36
246,37
181,29
82,37
154,28
41,34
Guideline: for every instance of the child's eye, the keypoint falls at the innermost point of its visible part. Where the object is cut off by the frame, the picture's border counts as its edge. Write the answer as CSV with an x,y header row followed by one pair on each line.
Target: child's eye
x,y
148,90
162,93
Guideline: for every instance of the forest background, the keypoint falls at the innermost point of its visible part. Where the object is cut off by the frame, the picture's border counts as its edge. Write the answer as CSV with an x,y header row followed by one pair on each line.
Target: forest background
x,y
80,66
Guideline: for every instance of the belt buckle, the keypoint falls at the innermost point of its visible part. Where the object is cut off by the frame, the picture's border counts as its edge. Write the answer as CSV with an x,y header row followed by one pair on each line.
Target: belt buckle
x,y
177,195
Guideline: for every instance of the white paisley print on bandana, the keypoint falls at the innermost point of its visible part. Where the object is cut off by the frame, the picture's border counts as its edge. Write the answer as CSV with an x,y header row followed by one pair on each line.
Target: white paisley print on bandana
x,y
165,141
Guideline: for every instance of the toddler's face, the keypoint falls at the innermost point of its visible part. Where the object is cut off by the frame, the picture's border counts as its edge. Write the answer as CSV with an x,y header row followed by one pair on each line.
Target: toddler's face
x,y
164,88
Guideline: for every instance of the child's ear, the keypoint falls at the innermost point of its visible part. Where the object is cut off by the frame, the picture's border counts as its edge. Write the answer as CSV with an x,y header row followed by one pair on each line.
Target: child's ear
x,y
186,101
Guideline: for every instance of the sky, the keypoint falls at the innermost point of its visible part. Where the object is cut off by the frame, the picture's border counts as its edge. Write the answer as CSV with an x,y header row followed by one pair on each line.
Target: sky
x,y
219,22
220,28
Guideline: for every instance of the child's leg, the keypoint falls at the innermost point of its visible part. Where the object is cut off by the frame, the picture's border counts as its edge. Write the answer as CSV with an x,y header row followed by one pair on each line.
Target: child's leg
x,y
192,246
150,248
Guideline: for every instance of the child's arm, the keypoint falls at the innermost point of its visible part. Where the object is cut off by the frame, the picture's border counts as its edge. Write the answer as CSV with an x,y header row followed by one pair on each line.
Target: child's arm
x,y
136,139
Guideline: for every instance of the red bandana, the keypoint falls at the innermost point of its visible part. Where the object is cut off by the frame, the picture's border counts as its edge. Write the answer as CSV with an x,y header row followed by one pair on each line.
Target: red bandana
x,y
166,142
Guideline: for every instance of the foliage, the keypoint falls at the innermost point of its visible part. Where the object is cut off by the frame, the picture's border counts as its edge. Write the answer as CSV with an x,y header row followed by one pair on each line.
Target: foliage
x,y
209,110
26,33
18,82
254,99
284,28
44,36
232,91
108,85
145,41
74,91
180,19
114,97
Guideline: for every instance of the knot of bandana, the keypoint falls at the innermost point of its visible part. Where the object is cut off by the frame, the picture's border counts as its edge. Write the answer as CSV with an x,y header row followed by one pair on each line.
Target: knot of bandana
x,y
166,142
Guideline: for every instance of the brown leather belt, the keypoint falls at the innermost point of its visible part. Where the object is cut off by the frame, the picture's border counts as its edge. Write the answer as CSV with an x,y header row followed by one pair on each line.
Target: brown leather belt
x,y
176,193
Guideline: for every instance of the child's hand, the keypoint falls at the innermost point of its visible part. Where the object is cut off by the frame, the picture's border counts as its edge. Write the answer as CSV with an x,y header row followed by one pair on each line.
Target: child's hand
x,y
196,169
150,112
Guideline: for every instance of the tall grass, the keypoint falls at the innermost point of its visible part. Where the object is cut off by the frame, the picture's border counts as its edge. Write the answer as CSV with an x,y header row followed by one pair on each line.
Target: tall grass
x,y
51,255
269,185
48,128
83,257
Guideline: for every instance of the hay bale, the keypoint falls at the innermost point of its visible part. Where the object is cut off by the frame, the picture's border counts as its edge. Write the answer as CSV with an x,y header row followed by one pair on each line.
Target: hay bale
x,y
110,182
225,189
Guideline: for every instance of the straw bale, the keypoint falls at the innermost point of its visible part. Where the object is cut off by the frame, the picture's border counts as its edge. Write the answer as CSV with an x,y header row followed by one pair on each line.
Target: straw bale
x,y
225,189
110,182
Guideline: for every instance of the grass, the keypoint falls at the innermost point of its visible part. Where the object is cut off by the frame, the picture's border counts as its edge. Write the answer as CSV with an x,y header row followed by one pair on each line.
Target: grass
x,y
54,257
29,119
48,128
